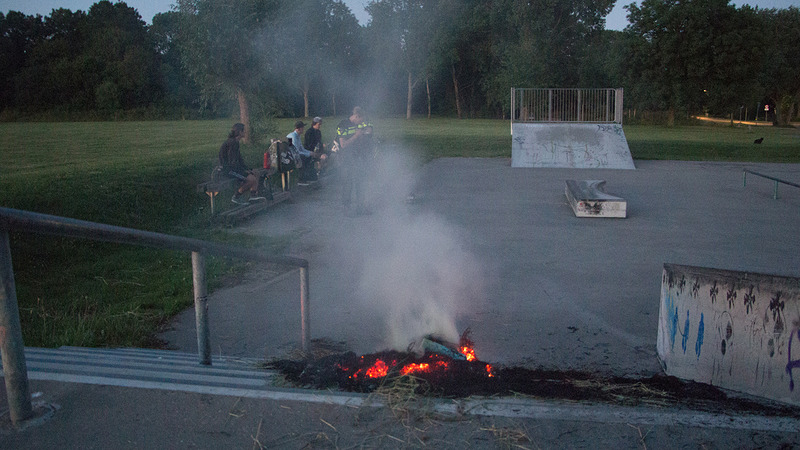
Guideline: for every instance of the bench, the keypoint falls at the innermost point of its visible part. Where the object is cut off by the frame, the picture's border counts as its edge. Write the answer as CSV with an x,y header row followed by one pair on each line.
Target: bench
x,y
239,212
219,183
589,199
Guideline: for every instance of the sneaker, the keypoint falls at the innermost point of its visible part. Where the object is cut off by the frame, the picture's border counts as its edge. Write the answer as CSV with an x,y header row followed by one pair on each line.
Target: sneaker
x,y
237,198
303,183
256,198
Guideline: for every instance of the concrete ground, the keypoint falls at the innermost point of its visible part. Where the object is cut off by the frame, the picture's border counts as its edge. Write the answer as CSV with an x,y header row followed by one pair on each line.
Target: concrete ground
x,y
499,251
482,246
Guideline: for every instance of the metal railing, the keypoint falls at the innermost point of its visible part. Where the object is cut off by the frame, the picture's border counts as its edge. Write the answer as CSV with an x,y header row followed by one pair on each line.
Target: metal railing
x,y
775,180
568,105
12,347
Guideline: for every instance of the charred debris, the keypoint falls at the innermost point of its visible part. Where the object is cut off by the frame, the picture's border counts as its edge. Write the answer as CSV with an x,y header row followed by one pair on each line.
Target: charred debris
x,y
442,369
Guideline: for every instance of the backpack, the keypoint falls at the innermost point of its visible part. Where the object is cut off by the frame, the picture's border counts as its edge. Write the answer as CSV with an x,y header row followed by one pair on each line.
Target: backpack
x,y
286,155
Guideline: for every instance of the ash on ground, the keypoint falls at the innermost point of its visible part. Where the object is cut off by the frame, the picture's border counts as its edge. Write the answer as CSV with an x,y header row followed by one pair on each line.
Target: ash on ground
x,y
451,378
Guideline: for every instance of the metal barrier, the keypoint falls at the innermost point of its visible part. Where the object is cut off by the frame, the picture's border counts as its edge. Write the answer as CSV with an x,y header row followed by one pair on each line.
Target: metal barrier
x,y
11,344
569,105
776,180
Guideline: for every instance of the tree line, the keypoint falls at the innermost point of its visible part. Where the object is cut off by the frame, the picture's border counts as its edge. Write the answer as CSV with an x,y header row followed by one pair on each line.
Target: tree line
x,y
262,58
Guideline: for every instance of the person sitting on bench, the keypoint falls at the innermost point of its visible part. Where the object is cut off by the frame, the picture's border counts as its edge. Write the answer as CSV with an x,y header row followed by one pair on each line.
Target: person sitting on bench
x,y
233,166
308,172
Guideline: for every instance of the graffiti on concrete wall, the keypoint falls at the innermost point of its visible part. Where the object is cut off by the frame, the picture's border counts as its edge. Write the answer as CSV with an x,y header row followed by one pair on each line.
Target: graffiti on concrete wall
x,y
570,145
793,363
743,317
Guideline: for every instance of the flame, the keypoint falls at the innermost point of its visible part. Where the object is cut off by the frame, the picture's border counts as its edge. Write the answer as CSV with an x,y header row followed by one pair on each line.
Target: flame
x,y
434,363
467,351
411,368
378,370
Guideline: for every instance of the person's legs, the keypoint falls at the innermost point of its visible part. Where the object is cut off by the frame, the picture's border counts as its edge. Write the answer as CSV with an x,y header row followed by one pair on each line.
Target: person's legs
x,y
308,172
348,173
251,183
359,180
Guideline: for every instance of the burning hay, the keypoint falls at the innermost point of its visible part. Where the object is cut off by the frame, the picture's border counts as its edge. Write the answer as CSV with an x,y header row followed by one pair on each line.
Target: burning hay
x,y
453,370
443,368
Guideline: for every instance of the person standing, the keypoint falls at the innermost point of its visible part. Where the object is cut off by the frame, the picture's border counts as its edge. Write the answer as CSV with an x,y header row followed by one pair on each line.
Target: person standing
x,y
233,166
354,135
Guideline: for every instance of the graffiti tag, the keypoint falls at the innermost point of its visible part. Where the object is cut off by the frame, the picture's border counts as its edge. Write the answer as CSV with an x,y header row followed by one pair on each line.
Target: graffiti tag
x,y
698,346
749,300
792,364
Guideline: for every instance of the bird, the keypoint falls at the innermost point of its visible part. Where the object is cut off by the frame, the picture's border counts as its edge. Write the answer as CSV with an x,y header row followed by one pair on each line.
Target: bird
x,y
759,140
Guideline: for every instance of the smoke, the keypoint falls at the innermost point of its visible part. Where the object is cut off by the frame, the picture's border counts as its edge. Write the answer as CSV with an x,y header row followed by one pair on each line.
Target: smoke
x,y
417,273
411,269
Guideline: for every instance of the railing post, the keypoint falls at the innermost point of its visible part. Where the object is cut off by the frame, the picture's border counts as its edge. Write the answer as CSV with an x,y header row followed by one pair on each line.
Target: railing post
x,y
201,307
744,178
775,194
15,370
305,331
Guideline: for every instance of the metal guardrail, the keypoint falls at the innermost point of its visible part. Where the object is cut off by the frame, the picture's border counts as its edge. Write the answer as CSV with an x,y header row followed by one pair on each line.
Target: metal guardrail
x,y
776,180
566,105
11,344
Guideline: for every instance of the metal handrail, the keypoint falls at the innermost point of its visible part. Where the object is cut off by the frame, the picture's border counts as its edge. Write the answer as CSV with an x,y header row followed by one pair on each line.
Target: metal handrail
x,y
11,344
776,180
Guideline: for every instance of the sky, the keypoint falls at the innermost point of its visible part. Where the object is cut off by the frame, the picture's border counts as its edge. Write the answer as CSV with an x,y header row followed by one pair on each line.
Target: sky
x,y
149,8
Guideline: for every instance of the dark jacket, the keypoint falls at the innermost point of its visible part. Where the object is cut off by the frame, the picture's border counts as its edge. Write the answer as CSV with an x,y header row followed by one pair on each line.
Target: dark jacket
x,y
230,158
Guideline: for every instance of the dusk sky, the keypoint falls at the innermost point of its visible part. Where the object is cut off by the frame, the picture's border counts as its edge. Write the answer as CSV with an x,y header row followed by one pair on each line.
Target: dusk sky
x,y
149,8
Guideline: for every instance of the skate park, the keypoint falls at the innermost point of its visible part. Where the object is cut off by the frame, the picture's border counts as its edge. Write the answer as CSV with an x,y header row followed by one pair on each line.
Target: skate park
x,y
544,288
557,290
536,285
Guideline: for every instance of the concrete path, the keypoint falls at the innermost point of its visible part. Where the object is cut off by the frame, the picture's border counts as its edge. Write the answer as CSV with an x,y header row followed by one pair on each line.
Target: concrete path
x,y
498,250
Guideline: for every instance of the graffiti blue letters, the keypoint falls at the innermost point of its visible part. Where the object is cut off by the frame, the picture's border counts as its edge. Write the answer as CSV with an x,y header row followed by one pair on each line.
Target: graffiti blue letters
x,y
698,346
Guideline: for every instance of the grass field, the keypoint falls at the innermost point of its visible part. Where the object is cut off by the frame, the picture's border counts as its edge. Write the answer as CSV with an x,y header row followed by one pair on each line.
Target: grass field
x,y
143,175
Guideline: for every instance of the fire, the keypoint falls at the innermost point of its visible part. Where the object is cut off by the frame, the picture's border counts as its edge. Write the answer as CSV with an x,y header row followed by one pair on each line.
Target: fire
x,y
411,368
434,363
467,351
379,369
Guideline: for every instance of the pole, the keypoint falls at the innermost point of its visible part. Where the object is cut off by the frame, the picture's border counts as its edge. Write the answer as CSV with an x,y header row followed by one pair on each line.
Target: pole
x,y
12,348
201,308
305,331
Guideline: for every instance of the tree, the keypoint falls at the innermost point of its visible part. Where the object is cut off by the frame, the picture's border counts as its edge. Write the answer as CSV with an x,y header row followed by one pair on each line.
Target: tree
x,y
222,46
100,60
544,43
317,39
19,35
779,73
122,56
690,55
178,86
464,51
340,51
402,32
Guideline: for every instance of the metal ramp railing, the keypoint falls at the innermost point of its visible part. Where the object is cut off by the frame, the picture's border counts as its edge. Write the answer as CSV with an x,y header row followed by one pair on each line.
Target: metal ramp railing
x,y
12,347
775,180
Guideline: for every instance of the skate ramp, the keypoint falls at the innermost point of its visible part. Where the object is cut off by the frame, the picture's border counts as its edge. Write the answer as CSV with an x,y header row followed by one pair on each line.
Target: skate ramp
x,y
570,145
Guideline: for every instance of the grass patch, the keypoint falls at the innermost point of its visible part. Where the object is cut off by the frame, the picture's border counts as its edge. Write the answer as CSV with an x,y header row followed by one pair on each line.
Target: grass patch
x,y
714,143
143,174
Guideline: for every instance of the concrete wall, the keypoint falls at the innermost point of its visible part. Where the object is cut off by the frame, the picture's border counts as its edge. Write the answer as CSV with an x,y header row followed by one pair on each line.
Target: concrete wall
x,y
570,145
735,330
